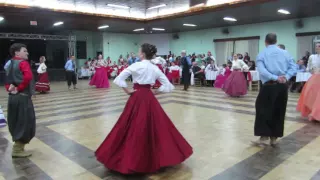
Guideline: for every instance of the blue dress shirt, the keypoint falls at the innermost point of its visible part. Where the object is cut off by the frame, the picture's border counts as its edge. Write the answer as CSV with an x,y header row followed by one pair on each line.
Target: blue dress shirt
x,y
189,60
69,65
273,62
131,61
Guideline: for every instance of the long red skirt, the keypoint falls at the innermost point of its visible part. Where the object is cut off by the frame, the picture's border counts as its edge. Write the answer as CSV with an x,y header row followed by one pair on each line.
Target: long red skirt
x,y
144,139
309,101
43,84
158,84
236,84
100,79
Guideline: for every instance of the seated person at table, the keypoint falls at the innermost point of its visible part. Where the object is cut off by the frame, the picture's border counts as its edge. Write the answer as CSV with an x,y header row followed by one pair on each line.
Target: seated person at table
x,y
211,73
301,68
252,65
198,73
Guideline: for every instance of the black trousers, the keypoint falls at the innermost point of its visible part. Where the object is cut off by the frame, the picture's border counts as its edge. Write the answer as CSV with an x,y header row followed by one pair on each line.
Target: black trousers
x,y
271,105
21,118
71,77
186,79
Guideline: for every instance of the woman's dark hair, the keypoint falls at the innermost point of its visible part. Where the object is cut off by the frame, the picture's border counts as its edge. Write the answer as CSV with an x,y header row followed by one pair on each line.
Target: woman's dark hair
x,y
149,50
16,47
224,65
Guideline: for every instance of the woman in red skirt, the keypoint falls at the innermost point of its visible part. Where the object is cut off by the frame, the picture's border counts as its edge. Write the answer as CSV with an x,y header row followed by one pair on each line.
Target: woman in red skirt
x,y
43,84
160,62
100,77
236,84
144,139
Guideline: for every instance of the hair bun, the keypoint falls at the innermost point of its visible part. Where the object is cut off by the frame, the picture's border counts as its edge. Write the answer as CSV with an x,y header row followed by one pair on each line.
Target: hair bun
x,y
149,50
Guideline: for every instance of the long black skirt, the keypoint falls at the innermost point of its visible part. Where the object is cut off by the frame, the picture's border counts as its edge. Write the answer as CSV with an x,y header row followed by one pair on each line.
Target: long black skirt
x,y
271,107
21,118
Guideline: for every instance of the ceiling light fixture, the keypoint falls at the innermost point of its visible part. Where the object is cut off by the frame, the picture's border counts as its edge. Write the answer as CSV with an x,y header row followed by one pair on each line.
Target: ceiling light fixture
x,y
159,6
1,18
198,5
191,25
141,29
158,29
103,27
283,11
118,6
229,19
58,23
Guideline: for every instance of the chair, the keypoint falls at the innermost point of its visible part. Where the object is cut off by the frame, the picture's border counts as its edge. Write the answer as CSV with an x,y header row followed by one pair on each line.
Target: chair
x,y
197,82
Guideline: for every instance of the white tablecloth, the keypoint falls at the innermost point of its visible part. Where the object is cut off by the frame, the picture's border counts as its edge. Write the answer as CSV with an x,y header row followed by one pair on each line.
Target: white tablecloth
x,y
255,75
211,75
85,73
303,76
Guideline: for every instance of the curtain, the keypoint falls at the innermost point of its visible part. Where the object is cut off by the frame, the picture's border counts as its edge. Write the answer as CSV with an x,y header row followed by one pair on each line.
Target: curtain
x,y
229,50
223,51
241,47
253,49
304,44
249,46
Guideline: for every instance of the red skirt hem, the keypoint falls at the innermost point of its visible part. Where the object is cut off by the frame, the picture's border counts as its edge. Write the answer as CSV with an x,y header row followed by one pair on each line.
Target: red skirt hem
x,y
43,84
144,139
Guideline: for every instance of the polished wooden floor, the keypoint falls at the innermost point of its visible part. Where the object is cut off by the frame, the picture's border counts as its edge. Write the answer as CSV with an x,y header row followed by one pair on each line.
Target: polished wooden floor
x,y
72,124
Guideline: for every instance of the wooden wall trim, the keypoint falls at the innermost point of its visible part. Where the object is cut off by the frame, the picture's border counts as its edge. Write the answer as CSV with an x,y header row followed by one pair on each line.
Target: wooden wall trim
x,y
236,39
308,33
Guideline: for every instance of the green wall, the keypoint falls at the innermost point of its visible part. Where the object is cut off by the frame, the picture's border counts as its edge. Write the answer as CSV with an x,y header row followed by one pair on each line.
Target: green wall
x,y
201,41
114,44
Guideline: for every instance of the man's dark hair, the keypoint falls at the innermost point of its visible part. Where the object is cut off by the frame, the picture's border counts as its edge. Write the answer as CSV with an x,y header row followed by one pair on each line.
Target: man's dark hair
x,y
16,47
271,38
282,46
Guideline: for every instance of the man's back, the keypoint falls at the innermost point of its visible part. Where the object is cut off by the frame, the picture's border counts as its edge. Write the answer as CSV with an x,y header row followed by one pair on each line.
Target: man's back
x,y
273,62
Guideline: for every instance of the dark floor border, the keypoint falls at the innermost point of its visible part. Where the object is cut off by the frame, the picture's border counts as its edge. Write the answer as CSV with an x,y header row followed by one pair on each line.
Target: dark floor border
x,y
20,168
262,162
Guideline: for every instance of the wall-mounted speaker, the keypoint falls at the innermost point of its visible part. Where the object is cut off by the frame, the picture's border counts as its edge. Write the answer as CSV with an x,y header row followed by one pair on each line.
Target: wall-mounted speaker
x,y
299,24
196,2
225,31
175,36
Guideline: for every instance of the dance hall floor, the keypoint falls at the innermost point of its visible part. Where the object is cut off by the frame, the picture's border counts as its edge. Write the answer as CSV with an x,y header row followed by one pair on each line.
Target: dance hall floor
x,y
72,124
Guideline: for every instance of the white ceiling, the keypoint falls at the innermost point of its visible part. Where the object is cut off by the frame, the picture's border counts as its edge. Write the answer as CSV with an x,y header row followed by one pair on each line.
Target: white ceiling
x,y
138,8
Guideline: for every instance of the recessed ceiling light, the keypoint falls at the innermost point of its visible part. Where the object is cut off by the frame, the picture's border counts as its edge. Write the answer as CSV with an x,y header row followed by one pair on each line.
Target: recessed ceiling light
x,y
58,23
198,5
141,29
158,29
229,19
283,11
103,27
1,18
191,25
118,6
159,6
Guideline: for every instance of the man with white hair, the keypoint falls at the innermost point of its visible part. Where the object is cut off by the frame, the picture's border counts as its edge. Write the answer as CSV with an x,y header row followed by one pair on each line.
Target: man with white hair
x,y
186,64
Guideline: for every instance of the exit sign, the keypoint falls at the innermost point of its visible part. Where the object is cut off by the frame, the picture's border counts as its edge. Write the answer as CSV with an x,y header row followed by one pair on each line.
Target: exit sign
x,y
33,23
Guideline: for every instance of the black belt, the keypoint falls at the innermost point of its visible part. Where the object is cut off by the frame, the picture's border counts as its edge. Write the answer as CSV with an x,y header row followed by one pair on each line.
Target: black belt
x,y
271,82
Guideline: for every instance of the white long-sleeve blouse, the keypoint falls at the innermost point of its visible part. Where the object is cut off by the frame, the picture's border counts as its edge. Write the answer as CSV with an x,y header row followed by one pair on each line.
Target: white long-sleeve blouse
x,y
144,72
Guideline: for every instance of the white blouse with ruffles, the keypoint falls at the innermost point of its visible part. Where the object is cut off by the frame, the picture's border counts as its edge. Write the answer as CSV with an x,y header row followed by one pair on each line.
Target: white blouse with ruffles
x,y
239,64
314,63
42,68
144,72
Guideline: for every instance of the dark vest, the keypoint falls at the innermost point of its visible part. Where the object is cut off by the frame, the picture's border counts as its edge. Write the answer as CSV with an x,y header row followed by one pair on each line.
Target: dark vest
x,y
185,65
14,76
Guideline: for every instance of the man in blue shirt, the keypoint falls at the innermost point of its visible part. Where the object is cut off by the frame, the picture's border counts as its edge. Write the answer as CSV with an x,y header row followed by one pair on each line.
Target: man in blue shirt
x,y
186,64
133,59
275,67
70,68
